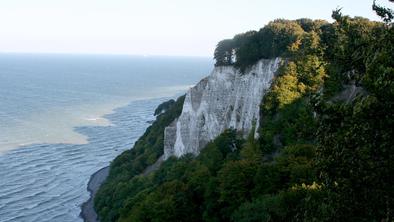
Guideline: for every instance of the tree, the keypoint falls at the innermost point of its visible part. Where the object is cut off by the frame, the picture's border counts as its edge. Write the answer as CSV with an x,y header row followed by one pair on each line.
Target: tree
x,y
224,52
385,13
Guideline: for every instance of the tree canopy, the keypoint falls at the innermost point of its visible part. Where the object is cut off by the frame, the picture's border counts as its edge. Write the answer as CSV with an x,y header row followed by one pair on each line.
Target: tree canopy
x,y
325,150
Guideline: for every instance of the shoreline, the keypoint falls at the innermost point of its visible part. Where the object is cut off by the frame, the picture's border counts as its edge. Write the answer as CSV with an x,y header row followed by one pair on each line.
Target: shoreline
x,y
88,214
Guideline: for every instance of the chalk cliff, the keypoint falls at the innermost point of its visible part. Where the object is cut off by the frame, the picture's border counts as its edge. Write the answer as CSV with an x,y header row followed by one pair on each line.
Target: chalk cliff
x,y
225,99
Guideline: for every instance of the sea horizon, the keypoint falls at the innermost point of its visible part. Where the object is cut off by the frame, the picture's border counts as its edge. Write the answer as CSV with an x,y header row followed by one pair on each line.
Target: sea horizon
x,y
80,113
68,116
106,54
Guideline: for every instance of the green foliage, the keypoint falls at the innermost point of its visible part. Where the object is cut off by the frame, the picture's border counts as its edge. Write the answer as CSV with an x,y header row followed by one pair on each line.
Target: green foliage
x,y
224,52
317,158
259,210
199,189
287,113
385,13
355,151
278,38
113,193
181,185
164,107
355,147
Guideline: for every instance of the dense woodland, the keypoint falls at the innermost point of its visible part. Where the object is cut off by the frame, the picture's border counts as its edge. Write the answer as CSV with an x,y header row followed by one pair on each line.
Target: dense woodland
x,y
325,149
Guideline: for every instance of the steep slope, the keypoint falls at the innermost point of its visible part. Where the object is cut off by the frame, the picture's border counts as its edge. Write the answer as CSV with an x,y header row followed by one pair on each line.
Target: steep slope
x,y
227,98
325,145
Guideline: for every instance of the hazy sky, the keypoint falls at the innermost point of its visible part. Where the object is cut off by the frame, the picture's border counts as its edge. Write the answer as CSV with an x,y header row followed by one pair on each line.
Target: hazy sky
x,y
149,27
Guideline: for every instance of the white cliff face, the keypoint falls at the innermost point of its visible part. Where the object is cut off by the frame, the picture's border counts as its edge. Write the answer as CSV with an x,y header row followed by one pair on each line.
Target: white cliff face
x,y
225,99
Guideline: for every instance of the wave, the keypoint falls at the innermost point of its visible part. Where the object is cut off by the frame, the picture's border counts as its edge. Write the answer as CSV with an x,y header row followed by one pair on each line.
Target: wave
x,y
39,177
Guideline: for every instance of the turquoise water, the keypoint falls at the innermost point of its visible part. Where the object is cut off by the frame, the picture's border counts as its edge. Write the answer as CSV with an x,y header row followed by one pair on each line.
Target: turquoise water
x,y
62,117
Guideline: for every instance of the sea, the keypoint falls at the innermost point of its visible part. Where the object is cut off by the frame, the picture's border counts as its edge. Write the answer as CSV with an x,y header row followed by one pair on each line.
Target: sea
x,y
63,117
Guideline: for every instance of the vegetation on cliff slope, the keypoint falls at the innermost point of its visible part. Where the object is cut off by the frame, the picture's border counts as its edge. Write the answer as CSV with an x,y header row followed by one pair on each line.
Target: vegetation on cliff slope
x,y
325,149
119,184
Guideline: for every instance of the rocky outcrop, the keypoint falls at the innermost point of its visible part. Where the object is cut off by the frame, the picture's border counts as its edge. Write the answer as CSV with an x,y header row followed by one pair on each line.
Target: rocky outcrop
x,y
225,99
349,93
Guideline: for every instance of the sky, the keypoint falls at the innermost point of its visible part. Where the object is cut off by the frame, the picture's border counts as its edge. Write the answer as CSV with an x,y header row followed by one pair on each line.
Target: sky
x,y
149,27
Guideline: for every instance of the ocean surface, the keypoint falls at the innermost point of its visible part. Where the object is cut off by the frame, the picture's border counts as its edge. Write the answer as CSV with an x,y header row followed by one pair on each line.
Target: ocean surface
x,y
63,117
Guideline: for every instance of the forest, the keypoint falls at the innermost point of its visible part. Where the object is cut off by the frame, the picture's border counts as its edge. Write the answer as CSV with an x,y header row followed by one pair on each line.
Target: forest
x,y
325,149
